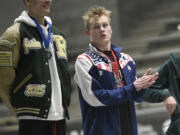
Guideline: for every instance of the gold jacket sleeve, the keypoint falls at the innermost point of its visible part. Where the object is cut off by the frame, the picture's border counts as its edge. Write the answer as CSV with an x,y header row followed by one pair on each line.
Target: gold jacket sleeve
x,y
9,57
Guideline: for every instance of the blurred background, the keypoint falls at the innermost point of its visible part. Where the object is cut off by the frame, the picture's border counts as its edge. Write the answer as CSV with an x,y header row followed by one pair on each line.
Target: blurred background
x,y
147,30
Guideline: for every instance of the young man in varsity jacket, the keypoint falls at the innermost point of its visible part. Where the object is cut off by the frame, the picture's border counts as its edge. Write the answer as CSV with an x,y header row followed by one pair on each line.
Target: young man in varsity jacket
x,y
34,76
106,79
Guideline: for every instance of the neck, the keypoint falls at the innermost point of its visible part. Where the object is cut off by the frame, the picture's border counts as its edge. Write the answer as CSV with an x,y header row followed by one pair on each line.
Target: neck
x,y
39,19
103,47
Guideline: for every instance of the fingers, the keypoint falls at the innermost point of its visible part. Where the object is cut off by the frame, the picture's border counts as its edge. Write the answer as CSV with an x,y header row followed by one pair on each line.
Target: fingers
x,y
170,109
137,83
155,76
149,84
150,78
146,80
143,82
170,104
148,72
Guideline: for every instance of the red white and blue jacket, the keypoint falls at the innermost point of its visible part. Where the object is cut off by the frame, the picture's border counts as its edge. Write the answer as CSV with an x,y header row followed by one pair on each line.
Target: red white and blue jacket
x,y
98,94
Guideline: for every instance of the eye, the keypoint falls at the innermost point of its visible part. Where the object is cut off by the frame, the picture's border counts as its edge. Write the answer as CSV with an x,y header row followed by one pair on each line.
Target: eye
x,y
105,25
96,27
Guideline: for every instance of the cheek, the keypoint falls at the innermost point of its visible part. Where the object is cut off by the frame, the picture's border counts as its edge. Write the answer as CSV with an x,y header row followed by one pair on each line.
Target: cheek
x,y
93,34
110,32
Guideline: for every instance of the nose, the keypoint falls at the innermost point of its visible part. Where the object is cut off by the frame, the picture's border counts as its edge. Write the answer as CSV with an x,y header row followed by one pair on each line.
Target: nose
x,y
101,28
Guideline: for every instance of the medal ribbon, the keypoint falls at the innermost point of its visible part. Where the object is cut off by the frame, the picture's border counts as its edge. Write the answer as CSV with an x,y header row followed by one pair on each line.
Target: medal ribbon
x,y
46,41
116,68
114,64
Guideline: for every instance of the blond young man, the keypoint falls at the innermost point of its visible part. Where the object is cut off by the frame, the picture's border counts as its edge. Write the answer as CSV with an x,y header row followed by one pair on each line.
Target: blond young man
x,y
106,79
34,74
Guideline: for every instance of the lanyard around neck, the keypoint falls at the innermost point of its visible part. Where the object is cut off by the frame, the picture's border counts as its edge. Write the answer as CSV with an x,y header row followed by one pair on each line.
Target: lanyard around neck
x,y
114,64
116,69
46,41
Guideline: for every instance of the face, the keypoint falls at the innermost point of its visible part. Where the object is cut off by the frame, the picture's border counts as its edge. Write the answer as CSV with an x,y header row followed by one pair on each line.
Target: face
x,y
100,31
38,7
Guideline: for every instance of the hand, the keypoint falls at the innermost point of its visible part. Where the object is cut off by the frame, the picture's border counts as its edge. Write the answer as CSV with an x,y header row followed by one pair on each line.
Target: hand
x,y
146,80
170,104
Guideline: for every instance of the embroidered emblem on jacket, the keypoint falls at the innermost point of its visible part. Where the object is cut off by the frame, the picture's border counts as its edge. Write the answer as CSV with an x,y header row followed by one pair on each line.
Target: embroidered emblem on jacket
x,y
7,43
129,68
31,44
61,46
6,58
6,54
100,72
35,90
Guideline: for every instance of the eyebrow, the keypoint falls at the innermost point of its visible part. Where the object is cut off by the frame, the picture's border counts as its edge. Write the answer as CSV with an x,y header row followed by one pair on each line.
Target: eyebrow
x,y
101,23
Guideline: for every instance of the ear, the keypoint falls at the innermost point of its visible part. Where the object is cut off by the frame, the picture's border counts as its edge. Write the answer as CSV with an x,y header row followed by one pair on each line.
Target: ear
x,y
111,29
87,32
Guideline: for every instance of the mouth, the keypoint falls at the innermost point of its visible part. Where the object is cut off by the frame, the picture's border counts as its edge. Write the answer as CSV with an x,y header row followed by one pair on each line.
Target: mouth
x,y
47,6
103,35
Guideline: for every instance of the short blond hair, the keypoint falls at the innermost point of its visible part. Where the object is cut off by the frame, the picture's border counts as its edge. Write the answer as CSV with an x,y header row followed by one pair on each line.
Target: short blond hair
x,y
94,12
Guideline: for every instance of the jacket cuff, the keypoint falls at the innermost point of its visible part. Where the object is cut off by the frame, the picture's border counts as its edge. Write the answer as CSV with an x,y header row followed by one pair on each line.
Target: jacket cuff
x,y
131,90
165,94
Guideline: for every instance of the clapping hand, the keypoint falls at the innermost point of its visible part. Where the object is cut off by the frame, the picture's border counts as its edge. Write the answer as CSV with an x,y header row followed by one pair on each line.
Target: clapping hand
x,y
146,80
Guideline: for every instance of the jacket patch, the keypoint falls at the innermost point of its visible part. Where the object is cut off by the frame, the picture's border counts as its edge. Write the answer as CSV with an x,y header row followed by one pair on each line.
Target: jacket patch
x,y
35,90
100,72
7,43
6,58
31,44
129,68
61,46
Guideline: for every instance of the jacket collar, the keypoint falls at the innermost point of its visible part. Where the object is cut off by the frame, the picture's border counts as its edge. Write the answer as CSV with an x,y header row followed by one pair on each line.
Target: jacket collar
x,y
25,18
117,50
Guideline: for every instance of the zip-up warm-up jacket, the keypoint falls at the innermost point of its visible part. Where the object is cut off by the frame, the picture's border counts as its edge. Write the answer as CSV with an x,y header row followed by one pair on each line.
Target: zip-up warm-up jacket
x,y
168,84
25,79
100,97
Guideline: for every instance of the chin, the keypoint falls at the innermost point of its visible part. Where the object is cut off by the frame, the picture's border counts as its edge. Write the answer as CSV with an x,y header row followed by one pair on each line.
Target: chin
x,y
105,40
46,12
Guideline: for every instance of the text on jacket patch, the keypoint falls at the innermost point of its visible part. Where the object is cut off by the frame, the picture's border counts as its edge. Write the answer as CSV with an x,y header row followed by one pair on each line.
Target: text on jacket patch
x,y
30,44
